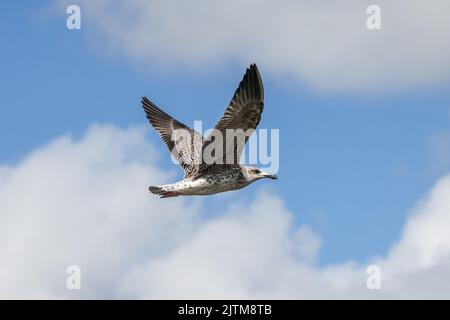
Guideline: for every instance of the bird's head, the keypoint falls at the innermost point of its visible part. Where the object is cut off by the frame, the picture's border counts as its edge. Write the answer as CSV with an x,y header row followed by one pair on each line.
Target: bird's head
x,y
253,174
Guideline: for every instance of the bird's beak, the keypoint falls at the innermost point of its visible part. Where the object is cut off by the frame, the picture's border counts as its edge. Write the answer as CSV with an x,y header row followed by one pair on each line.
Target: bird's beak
x,y
272,176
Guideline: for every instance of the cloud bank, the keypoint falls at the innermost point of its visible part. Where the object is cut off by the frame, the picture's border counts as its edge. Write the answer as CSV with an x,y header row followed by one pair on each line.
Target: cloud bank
x,y
85,202
325,44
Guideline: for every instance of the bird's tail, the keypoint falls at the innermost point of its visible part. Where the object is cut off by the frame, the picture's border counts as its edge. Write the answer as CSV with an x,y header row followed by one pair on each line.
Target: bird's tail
x,y
159,190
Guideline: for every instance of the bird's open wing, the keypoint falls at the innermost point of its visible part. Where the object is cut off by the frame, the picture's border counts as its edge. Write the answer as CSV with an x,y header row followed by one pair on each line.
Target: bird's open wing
x,y
183,142
243,112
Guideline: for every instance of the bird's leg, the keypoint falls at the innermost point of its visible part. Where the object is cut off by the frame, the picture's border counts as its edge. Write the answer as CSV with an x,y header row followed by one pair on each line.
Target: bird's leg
x,y
169,194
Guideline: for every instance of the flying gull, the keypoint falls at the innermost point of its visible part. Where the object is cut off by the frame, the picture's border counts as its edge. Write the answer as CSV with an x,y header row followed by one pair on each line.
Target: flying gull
x,y
202,177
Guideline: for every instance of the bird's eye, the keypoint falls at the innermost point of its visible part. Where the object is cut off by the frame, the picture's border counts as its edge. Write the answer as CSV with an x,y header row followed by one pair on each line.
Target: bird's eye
x,y
256,171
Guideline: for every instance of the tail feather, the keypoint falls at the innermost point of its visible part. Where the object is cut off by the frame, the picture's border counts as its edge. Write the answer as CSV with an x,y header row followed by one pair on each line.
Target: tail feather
x,y
161,192
155,189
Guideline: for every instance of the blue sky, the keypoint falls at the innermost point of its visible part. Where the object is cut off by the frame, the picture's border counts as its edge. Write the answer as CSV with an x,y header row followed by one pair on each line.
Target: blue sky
x,y
352,164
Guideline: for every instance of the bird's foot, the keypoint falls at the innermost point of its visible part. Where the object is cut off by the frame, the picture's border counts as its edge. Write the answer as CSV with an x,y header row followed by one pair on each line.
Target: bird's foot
x,y
169,194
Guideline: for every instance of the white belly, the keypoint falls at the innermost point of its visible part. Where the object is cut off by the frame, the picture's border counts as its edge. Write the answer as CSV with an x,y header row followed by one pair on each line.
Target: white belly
x,y
200,187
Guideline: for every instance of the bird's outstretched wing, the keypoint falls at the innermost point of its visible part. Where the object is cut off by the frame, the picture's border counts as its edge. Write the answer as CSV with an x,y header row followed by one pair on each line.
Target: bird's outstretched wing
x,y
243,112
184,143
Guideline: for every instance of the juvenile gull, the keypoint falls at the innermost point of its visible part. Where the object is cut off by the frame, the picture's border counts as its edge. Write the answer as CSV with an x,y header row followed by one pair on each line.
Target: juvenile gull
x,y
224,174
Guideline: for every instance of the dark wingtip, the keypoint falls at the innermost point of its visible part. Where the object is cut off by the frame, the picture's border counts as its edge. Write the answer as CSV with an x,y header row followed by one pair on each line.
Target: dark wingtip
x,y
252,75
144,100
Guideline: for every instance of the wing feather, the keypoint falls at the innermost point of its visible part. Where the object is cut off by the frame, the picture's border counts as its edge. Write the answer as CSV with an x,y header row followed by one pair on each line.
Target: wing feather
x,y
183,142
243,112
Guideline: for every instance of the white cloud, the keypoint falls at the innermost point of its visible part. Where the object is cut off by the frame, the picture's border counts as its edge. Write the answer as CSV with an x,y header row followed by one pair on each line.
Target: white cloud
x,y
324,44
419,264
86,203
308,243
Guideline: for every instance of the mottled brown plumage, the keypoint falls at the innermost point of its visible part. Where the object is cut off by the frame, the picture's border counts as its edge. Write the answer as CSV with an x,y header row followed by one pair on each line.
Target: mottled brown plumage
x,y
188,146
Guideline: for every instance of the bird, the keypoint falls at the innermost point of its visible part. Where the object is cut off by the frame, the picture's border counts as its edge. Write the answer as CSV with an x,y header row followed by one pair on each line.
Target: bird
x,y
222,172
